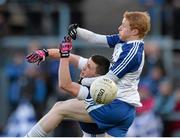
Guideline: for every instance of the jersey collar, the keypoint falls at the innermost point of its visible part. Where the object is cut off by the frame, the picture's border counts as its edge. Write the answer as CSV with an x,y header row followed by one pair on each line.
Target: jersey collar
x,y
132,41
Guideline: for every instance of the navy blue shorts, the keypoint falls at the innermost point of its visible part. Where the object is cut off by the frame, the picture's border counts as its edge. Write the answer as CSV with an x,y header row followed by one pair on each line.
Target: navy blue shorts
x,y
91,128
115,118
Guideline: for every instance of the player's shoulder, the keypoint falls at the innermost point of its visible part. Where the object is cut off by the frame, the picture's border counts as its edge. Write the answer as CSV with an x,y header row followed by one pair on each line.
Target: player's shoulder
x,y
113,39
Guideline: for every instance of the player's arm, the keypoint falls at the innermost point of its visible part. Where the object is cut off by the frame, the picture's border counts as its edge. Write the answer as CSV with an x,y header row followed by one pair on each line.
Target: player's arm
x,y
75,31
53,53
64,77
39,56
91,37
65,81
73,58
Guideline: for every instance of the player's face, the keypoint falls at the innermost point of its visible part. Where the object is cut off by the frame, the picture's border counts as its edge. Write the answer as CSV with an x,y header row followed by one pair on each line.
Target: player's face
x,y
89,70
125,30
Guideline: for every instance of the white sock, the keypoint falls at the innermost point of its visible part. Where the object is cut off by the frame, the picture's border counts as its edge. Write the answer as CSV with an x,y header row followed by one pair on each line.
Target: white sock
x,y
93,135
36,131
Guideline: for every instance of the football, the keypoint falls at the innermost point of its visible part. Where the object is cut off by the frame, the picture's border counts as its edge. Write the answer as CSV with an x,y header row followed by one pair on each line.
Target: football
x,y
103,90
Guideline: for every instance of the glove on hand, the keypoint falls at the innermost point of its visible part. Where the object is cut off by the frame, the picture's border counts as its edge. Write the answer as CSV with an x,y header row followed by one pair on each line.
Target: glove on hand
x,y
65,47
72,31
37,56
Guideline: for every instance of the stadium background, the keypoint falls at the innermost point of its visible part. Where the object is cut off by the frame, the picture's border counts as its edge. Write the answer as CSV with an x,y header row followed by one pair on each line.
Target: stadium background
x,y
27,91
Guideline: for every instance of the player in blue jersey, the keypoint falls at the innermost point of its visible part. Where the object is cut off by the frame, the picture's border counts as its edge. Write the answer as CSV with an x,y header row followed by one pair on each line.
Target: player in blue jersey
x,y
128,56
128,60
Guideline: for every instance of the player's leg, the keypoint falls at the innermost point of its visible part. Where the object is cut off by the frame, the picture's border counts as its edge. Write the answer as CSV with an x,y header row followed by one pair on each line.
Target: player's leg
x,y
71,109
74,109
93,135
115,117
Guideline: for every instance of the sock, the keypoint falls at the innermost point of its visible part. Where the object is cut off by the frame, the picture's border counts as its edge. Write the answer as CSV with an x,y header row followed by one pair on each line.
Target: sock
x,y
93,135
36,131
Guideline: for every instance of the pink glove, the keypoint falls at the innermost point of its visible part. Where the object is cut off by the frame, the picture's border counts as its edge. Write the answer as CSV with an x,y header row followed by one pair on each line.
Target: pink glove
x,y
65,47
37,56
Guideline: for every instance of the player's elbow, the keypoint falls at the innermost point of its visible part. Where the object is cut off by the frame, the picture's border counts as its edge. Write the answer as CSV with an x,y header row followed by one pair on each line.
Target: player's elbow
x,y
64,86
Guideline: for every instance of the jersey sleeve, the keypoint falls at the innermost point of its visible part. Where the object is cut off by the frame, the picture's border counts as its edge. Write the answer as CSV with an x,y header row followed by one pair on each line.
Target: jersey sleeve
x,y
111,75
83,93
82,62
126,63
92,37
113,40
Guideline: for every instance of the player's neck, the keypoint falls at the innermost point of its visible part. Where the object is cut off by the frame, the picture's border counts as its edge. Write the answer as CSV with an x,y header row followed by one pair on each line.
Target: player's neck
x,y
132,38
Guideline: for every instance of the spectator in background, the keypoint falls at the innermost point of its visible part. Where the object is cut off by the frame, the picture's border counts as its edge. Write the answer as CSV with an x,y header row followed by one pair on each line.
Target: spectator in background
x,y
14,71
24,117
154,71
146,123
153,54
38,87
155,76
164,103
154,9
174,126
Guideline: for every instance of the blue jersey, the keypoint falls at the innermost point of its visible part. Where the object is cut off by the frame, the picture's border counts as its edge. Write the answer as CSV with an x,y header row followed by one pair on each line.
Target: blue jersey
x,y
127,65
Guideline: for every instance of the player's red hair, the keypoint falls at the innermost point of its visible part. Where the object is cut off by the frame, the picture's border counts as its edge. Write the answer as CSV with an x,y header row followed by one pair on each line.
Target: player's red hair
x,y
139,21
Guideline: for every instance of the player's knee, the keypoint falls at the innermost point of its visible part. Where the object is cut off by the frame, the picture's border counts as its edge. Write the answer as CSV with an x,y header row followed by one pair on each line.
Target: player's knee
x,y
57,104
63,108
56,107
59,107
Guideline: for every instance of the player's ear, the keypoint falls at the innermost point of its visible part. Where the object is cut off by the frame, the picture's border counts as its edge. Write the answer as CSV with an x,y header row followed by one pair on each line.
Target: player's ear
x,y
135,31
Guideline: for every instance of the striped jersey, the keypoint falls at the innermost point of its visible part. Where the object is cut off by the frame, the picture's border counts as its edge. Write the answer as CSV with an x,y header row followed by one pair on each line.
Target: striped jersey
x,y
126,67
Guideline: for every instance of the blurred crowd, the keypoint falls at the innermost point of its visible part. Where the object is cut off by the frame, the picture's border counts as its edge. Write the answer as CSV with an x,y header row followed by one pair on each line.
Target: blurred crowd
x,y
31,90
159,115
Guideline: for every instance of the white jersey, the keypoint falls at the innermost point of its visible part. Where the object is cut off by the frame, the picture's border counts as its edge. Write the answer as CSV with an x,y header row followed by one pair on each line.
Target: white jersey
x,y
127,64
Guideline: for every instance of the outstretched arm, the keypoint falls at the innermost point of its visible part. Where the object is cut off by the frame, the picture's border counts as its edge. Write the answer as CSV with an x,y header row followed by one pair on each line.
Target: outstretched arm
x,y
75,31
39,56
73,58
53,53
91,37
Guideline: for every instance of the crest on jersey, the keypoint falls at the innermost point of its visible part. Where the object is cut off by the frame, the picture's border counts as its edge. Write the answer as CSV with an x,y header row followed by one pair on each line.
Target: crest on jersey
x,y
117,52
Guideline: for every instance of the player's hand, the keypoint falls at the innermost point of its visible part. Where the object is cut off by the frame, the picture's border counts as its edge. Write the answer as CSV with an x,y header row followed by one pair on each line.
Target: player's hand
x,y
72,31
65,47
37,56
